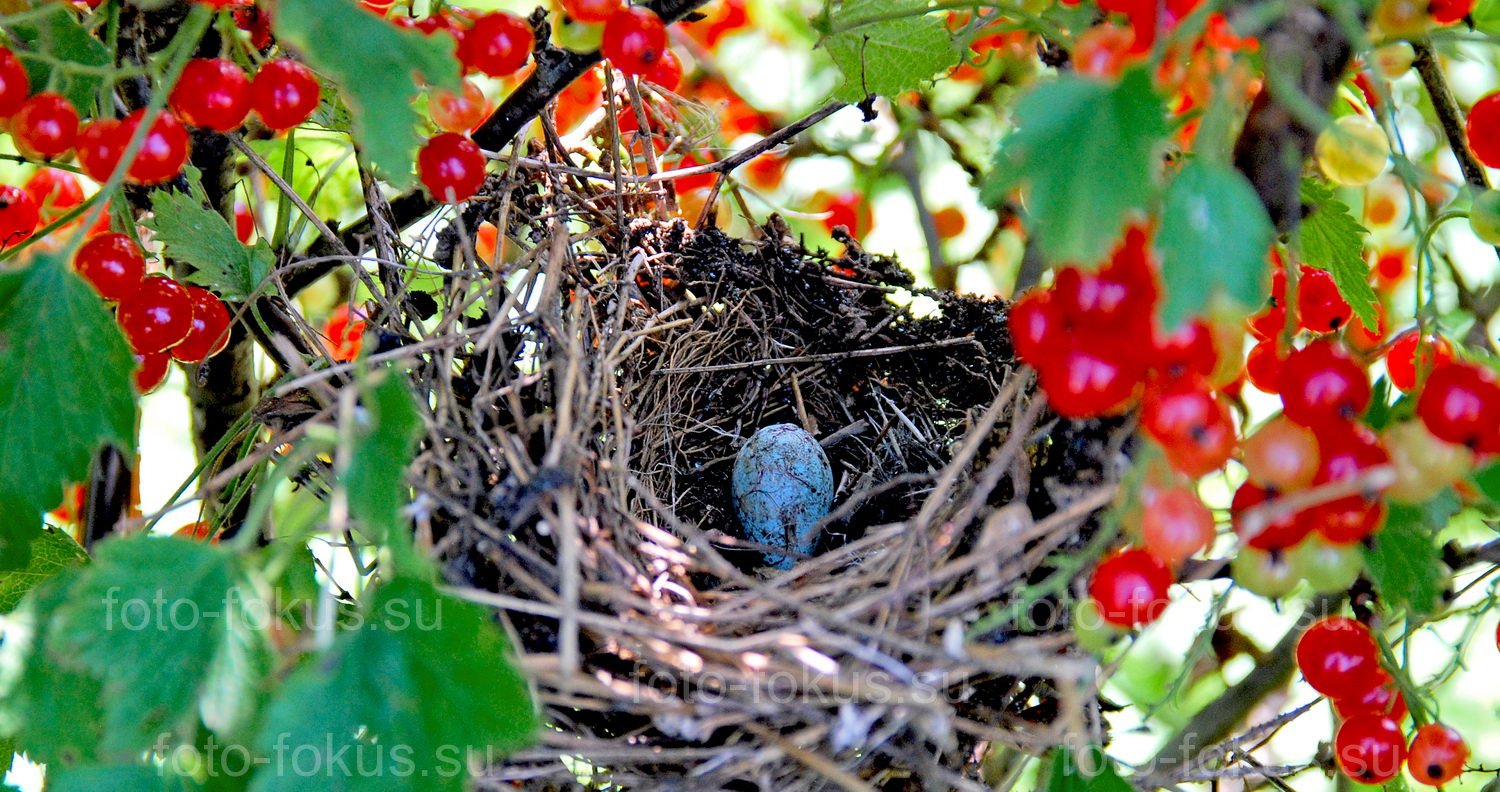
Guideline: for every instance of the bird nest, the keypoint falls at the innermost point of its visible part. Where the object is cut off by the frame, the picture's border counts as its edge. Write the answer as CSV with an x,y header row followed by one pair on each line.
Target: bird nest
x,y
586,413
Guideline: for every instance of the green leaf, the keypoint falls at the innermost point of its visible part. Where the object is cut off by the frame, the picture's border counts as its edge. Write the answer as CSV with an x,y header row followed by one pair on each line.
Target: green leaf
x,y
384,445
1404,560
375,64
50,709
888,47
52,552
1329,238
1488,481
158,620
66,389
1087,152
121,778
1214,237
61,37
192,233
425,674
1067,776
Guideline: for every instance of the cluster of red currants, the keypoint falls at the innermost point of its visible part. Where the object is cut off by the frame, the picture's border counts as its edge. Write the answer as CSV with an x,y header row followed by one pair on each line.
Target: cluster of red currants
x,y
162,319
1315,473
1339,658
212,93
450,165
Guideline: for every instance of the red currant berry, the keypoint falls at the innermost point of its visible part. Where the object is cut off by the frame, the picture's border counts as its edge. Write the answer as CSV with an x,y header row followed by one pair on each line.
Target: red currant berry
x,y
1284,532
1175,525
284,94
1460,403
346,333
212,93
1437,754
1447,12
1263,365
451,167
157,316
18,215
162,153
1484,129
635,39
1369,748
590,10
209,333
1345,451
666,73
1089,381
100,146
1188,351
498,44
458,112
151,371
1411,356
1320,307
54,191
45,126
1281,455
113,264
14,84
1190,423
1383,699
1130,588
1321,384
1034,326
1269,323
1338,658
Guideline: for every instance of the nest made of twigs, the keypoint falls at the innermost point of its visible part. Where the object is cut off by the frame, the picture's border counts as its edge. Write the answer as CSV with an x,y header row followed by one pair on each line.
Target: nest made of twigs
x,y
584,423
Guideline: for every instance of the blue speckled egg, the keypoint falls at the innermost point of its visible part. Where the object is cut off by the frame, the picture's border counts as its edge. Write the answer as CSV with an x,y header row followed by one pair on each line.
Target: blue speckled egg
x,y
782,486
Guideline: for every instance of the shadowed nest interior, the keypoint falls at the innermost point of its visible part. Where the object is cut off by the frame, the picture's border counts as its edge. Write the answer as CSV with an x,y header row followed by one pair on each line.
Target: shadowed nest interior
x,y
586,411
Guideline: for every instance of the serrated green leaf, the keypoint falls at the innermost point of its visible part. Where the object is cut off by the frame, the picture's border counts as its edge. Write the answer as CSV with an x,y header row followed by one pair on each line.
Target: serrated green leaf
x,y
1404,560
1086,152
1329,238
193,233
51,709
61,38
51,553
1214,237
66,389
376,65
425,674
153,619
882,51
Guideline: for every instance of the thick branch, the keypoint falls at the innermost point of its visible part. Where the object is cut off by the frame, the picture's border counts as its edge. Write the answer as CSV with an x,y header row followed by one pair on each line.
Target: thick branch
x,y
1311,49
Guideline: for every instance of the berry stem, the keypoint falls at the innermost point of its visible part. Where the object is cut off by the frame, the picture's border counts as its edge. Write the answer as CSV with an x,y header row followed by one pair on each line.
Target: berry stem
x,y
1415,704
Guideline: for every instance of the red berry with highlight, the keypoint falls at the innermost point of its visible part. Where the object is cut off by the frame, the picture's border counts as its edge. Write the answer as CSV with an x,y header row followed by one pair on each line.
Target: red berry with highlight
x,y
1484,129
1130,588
1369,748
100,146
18,215
163,152
212,93
151,371
284,94
113,264
209,333
635,39
1437,754
1320,307
1321,384
158,316
1460,403
45,126
1338,658
497,44
451,167
14,84
1411,356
